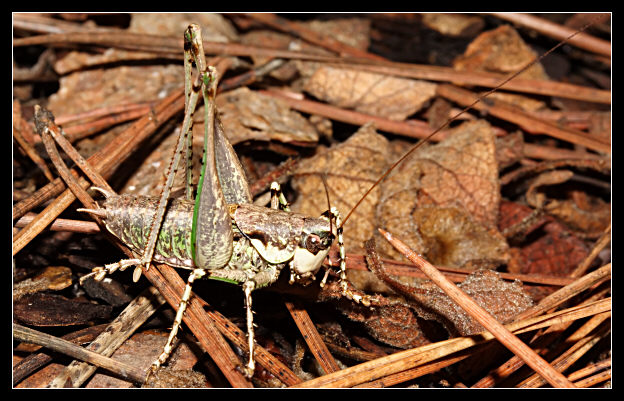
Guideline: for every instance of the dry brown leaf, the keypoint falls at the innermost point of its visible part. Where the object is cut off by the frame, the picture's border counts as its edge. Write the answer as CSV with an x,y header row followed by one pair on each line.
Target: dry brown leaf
x,y
53,278
351,168
581,211
214,27
584,213
509,149
90,89
453,24
248,115
551,250
370,93
393,323
459,176
500,50
500,298
537,198
140,351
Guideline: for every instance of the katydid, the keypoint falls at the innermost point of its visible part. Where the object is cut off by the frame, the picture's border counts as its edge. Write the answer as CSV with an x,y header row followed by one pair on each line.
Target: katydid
x,y
220,234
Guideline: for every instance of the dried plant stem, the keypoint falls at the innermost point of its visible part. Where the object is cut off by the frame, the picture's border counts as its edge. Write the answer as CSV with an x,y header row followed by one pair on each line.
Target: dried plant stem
x,y
311,36
171,286
556,379
593,380
567,292
602,242
400,268
104,161
312,337
123,370
76,226
238,337
353,117
577,350
582,40
40,358
525,120
24,138
128,321
590,369
416,357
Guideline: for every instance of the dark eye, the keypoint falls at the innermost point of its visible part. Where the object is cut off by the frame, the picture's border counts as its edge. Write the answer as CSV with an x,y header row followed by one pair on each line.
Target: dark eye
x,y
313,243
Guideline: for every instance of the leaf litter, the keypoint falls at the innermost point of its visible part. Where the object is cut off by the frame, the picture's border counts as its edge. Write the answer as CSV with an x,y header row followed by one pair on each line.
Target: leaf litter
x,y
446,201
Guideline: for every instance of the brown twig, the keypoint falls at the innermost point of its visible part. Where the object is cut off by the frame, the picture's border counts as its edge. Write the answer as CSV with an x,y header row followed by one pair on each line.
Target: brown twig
x,y
409,129
312,337
602,242
311,36
238,337
76,226
120,369
119,330
400,268
571,355
40,358
590,369
104,161
567,292
593,380
529,123
582,40
478,313
22,135
416,357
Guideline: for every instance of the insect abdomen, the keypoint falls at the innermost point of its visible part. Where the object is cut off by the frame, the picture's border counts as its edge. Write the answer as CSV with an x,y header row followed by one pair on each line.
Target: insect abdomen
x,y
129,218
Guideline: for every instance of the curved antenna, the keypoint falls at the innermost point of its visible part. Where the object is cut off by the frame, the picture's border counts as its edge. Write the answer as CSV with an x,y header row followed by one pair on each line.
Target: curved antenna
x,y
324,179
449,121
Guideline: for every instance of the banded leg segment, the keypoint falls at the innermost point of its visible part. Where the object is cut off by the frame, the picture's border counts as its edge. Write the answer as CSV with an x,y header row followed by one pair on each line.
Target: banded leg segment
x,y
195,274
278,200
248,287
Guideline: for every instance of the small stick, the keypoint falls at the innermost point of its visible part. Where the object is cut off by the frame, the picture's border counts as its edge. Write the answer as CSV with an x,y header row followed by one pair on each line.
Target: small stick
x,y
416,357
582,40
595,379
121,369
311,36
128,321
571,355
312,337
528,122
555,378
42,357
76,226
589,369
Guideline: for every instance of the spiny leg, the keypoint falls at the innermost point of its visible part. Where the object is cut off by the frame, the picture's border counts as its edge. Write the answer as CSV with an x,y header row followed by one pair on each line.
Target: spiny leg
x,y
278,200
192,91
195,274
248,287
98,273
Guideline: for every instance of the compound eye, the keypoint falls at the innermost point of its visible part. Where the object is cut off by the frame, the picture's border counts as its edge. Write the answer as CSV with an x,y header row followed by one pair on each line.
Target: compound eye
x,y
313,243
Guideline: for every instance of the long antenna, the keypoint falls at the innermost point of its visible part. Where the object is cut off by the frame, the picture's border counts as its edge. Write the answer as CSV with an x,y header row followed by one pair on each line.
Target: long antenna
x,y
449,121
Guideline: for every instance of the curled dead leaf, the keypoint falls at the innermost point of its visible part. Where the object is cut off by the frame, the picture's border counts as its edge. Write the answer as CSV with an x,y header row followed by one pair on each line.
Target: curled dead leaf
x,y
370,93
452,190
351,168
248,115
500,50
